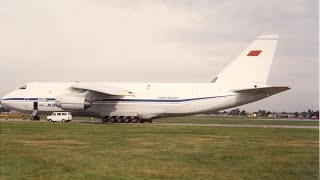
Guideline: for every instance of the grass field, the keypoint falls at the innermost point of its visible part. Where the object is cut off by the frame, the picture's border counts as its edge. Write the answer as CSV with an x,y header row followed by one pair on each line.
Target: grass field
x,y
235,120
32,150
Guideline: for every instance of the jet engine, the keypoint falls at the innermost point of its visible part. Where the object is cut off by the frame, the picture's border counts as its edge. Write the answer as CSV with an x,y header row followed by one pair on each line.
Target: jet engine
x,y
72,103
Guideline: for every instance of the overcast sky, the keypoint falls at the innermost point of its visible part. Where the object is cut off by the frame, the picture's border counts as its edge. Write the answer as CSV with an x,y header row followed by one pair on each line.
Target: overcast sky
x,y
158,41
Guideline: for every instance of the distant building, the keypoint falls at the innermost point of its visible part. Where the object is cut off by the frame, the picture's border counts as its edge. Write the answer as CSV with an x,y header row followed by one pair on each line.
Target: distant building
x,y
272,115
281,115
255,114
314,115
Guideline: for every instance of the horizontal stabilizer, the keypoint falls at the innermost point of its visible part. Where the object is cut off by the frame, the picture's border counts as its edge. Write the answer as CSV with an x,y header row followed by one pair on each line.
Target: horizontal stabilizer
x,y
265,90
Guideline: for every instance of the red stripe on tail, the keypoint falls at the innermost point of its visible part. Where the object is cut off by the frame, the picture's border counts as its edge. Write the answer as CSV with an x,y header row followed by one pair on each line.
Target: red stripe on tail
x,y
254,53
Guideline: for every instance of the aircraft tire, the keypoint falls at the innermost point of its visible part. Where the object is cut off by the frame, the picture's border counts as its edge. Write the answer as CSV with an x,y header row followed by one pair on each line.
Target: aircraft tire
x,y
118,120
135,120
127,120
141,121
121,120
105,120
112,119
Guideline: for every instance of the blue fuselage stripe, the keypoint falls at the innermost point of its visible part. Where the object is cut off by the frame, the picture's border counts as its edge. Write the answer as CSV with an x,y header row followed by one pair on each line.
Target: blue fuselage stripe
x,y
30,99
160,100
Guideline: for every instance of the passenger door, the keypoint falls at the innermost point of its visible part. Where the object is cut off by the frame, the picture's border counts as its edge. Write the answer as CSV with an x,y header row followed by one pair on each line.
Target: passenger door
x,y
35,105
53,116
64,116
58,116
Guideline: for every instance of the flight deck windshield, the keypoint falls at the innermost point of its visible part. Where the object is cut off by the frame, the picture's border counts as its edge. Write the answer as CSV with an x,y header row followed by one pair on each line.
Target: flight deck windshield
x,y
24,87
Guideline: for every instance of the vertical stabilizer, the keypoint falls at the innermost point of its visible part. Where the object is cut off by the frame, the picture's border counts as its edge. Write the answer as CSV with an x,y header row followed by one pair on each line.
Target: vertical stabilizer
x,y
251,68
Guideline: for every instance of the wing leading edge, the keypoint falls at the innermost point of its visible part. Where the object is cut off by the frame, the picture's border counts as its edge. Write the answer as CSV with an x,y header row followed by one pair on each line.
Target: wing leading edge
x,y
102,88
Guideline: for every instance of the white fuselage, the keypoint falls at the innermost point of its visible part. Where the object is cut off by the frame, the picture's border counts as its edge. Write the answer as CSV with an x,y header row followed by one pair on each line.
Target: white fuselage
x,y
150,100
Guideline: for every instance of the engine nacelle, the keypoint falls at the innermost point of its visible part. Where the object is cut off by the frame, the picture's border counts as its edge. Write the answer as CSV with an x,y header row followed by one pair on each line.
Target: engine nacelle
x,y
72,103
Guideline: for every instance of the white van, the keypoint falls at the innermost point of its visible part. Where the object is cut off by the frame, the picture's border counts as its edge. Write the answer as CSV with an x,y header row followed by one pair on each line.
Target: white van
x,y
60,116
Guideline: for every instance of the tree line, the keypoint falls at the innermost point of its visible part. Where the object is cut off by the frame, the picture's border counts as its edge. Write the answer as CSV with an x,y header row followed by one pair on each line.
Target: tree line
x,y
265,113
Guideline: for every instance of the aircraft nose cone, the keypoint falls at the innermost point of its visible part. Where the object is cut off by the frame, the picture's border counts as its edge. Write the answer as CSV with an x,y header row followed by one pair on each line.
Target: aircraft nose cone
x,y
3,104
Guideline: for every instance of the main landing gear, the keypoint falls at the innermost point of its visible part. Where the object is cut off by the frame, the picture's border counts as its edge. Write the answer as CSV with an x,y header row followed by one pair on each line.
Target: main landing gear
x,y
124,119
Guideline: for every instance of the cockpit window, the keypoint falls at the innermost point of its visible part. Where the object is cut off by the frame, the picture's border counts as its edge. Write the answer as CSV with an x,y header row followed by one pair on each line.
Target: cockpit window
x,y
24,87
214,80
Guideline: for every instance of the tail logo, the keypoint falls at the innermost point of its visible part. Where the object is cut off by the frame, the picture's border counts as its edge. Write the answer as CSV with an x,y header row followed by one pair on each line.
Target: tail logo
x,y
254,53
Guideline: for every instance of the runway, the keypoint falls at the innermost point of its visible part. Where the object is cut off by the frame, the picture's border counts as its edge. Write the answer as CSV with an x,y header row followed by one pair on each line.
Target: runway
x,y
175,124
238,125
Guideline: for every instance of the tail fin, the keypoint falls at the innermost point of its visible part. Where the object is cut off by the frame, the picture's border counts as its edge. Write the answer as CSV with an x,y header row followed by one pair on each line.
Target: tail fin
x,y
251,68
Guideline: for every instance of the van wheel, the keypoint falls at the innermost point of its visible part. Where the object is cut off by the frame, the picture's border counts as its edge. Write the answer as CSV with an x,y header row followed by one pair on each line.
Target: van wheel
x,y
62,120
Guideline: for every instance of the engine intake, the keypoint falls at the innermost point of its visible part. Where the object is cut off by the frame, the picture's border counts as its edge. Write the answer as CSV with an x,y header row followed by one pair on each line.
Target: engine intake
x,y
72,103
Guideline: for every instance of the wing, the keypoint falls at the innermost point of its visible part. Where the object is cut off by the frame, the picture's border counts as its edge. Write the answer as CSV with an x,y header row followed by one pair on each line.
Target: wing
x,y
102,88
89,92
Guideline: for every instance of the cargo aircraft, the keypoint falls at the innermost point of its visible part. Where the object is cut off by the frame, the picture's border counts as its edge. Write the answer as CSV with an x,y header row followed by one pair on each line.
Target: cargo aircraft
x,y
243,81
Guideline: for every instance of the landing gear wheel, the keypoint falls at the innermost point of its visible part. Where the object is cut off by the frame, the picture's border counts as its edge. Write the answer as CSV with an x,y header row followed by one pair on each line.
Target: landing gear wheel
x,y
63,120
127,120
105,119
135,120
112,119
121,120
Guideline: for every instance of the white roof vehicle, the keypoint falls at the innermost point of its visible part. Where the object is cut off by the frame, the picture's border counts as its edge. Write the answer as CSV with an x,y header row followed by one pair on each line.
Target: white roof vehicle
x,y
60,116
